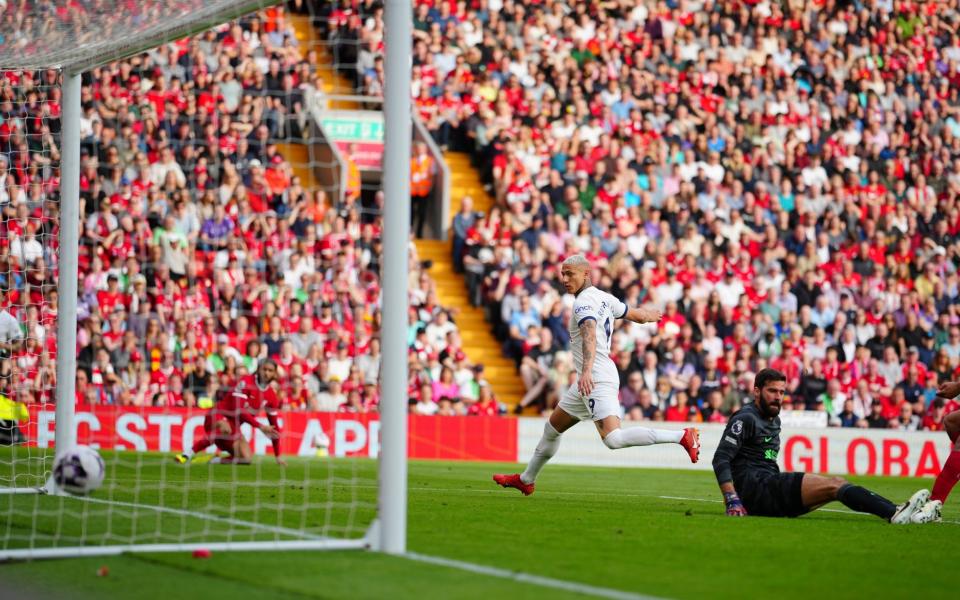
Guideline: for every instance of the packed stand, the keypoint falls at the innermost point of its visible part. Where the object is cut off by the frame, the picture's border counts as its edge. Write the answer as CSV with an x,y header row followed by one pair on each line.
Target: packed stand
x,y
780,178
201,252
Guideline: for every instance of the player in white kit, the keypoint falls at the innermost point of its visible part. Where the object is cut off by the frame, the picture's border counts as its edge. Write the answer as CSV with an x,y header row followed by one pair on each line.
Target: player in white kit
x,y
595,394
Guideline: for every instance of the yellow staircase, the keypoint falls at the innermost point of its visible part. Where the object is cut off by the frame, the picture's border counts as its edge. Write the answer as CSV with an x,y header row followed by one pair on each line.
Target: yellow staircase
x,y
297,154
333,82
480,345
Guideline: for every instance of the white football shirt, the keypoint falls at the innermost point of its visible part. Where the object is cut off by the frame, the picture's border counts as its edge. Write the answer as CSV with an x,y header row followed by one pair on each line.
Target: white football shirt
x,y
603,308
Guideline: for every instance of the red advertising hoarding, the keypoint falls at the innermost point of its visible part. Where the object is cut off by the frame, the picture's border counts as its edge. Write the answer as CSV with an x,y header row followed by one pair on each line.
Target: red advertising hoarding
x,y
304,433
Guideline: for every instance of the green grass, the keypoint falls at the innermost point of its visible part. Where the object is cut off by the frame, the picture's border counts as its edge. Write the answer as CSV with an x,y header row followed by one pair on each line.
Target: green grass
x,y
604,527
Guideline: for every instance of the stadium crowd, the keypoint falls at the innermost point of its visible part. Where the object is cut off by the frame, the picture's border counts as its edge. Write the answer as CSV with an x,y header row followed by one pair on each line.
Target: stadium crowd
x,y
201,252
780,178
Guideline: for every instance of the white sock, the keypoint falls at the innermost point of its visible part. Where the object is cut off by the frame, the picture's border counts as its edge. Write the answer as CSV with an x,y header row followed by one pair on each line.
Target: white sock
x,y
667,436
546,448
640,436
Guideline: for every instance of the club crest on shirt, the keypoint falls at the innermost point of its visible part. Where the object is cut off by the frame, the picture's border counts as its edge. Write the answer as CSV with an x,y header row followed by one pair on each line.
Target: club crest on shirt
x,y
737,427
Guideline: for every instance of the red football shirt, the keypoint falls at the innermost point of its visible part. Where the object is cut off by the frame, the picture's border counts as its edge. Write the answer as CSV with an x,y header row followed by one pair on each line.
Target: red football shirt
x,y
244,401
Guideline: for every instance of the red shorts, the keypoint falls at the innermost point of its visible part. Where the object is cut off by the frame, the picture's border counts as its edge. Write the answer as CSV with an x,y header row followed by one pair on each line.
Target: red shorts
x,y
224,441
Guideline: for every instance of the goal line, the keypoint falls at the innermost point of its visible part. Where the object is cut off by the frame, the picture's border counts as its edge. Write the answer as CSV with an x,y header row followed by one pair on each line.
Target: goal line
x,y
306,541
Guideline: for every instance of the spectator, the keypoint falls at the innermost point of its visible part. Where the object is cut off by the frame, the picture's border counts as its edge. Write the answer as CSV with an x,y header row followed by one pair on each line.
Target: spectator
x,y
846,417
682,410
905,420
535,370
876,419
425,404
332,398
933,419
486,405
422,172
462,223
446,388
833,401
712,412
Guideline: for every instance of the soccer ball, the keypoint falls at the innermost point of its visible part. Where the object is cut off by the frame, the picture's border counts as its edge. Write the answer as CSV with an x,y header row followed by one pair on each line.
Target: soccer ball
x,y
79,470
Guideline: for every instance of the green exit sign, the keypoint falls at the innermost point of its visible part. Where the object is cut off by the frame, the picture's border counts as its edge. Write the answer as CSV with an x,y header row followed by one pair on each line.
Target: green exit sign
x,y
355,127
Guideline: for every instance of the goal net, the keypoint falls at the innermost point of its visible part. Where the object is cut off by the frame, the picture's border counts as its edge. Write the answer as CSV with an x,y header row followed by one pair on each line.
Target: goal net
x,y
215,233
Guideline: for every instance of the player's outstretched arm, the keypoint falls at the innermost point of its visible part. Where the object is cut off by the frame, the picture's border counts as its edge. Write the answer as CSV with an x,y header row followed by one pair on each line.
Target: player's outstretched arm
x,y
274,435
643,315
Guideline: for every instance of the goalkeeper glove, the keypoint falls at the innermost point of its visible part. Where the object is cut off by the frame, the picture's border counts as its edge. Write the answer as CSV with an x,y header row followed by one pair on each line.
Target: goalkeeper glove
x,y
734,505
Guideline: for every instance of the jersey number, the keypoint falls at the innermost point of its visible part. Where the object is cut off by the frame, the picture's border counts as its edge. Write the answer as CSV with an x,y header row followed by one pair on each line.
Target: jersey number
x,y
608,329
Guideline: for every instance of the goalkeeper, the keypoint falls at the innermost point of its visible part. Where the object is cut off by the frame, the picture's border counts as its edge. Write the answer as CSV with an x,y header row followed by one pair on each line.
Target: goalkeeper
x,y
238,405
745,464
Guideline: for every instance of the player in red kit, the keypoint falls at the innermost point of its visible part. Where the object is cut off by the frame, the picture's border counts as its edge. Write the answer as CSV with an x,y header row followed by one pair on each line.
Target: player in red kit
x,y
950,474
235,406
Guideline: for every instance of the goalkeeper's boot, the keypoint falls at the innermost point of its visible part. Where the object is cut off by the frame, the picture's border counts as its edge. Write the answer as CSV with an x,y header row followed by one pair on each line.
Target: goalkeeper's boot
x,y
181,458
905,511
928,513
691,443
513,481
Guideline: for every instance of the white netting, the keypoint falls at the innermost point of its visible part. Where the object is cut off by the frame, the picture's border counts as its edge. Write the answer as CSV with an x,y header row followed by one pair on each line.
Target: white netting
x,y
214,233
29,196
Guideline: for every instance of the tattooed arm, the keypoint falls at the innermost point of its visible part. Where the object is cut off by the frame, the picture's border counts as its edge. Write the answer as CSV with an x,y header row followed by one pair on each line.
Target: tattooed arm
x,y
588,335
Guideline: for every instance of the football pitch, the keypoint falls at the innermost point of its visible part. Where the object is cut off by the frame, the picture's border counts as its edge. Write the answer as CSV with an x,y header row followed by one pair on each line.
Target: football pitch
x,y
652,533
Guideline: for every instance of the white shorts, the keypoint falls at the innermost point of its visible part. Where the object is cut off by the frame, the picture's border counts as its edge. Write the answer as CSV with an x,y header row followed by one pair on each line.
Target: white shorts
x,y
603,402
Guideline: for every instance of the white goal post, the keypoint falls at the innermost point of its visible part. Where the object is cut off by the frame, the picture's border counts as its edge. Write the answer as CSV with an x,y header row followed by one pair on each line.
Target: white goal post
x,y
174,20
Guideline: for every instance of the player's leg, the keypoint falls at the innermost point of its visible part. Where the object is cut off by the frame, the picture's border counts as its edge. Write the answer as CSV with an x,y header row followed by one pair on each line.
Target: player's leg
x,y
231,437
560,421
223,439
203,442
951,423
241,453
605,409
817,490
616,437
948,477
570,411
950,473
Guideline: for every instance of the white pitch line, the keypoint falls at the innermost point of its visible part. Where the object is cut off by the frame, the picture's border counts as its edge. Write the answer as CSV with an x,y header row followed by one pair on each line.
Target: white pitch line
x,y
203,515
631,495
597,492
539,580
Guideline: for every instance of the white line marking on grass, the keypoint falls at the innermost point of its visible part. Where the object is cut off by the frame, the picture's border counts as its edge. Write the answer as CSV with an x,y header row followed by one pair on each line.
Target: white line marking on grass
x,y
285,531
203,515
634,495
548,582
